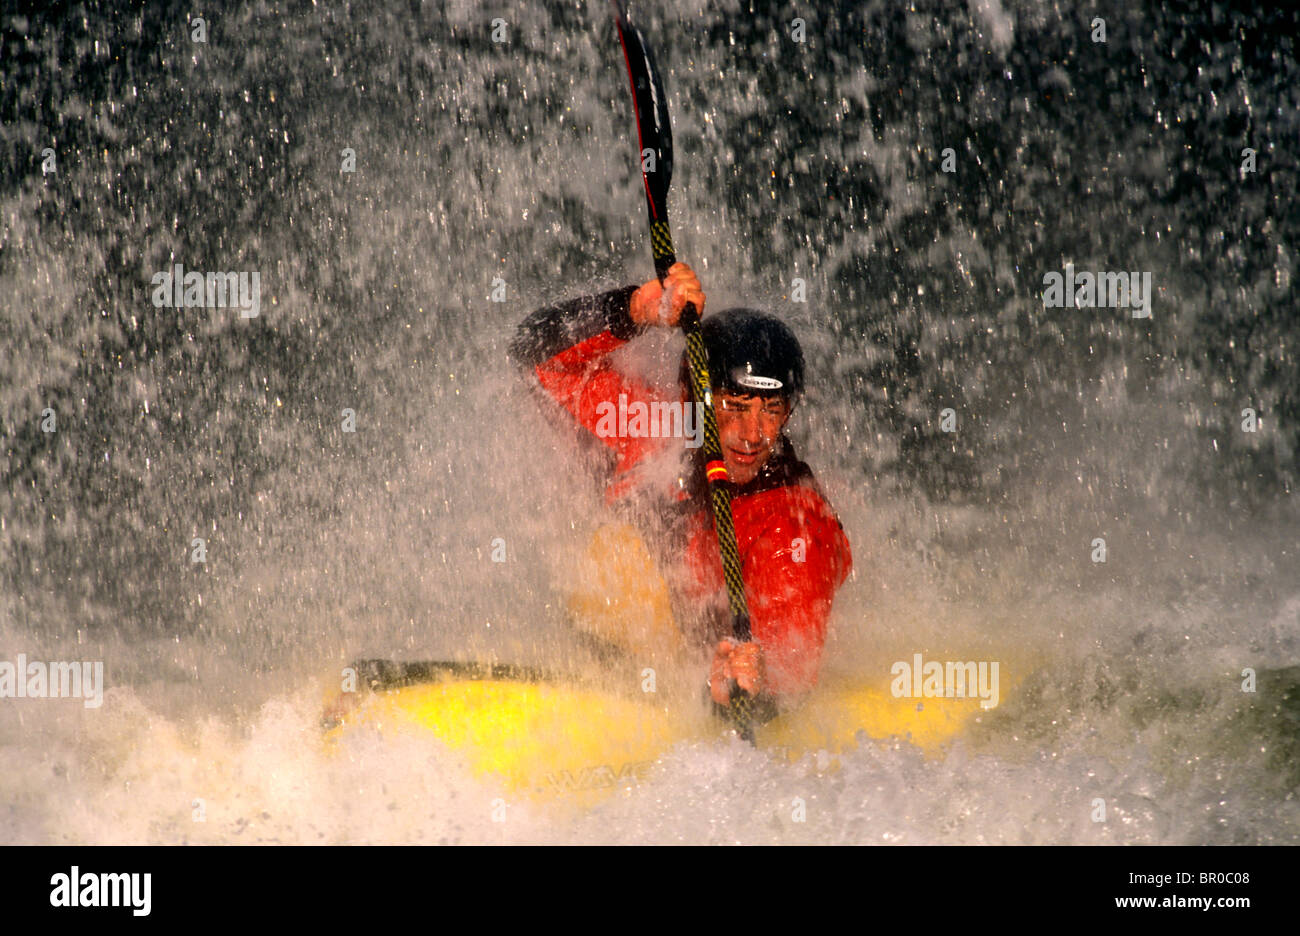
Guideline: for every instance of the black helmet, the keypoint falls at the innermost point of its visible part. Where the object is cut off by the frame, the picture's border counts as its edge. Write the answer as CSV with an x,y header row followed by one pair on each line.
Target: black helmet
x,y
751,352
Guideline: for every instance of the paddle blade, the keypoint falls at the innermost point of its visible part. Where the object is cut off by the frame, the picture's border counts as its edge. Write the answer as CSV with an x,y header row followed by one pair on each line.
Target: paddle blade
x,y
654,130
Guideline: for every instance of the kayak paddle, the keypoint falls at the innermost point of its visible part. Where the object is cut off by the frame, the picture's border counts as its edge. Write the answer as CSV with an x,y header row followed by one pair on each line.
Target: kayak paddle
x,y
654,134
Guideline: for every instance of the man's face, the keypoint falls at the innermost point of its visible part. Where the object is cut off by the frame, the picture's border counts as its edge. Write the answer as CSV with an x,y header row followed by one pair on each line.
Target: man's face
x,y
748,427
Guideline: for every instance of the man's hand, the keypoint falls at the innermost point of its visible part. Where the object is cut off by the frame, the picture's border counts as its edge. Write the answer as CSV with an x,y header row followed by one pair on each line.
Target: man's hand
x,y
655,304
742,662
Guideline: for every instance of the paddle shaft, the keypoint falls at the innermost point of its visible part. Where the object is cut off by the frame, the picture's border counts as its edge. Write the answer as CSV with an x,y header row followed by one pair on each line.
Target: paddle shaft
x,y
654,138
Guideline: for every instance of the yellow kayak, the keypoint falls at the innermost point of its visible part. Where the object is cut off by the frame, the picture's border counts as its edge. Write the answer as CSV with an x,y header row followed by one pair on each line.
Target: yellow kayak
x,y
545,738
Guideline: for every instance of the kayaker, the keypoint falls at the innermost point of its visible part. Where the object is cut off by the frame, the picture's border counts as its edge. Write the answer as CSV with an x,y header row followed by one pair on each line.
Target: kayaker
x,y
793,550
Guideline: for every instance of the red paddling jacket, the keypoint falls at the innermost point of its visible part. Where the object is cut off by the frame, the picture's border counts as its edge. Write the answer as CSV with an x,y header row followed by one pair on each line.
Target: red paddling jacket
x,y
793,550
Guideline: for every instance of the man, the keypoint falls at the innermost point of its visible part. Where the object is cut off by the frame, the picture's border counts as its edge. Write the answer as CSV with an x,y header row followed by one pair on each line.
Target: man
x,y
794,554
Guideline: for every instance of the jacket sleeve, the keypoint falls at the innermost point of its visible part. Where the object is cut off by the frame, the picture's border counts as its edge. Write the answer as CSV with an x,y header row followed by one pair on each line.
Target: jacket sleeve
x,y
791,574
567,348
550,331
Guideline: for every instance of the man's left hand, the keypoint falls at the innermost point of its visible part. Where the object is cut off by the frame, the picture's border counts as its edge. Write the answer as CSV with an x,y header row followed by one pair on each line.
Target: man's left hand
x,y
742,662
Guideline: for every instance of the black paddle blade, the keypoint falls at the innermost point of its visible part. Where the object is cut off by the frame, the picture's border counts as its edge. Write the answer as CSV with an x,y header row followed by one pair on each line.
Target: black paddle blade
x,y
654,130
383,675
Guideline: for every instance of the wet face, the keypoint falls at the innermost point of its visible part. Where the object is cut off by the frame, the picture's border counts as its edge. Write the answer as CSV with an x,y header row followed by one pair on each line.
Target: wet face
x,y
749,428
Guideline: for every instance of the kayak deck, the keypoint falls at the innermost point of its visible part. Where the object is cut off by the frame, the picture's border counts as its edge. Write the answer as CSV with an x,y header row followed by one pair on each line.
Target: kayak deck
x,y
545,738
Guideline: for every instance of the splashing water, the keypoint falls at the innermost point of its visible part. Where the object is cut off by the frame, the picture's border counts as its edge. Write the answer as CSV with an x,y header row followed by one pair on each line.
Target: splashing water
x,y
483,166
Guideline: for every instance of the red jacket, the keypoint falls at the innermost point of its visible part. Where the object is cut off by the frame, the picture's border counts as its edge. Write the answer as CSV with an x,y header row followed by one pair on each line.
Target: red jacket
x,y
793,550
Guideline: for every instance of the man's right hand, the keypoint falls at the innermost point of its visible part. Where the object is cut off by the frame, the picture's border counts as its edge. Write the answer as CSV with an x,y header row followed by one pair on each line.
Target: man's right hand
x,y
656,304
738,660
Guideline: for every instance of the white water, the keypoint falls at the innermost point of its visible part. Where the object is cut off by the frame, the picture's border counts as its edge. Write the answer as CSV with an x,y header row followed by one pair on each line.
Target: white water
x,y
233,720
